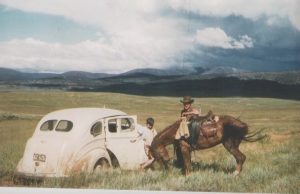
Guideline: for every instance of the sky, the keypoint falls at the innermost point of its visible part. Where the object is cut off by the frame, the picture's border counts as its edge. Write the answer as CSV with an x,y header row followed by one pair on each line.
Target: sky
x,y
115,36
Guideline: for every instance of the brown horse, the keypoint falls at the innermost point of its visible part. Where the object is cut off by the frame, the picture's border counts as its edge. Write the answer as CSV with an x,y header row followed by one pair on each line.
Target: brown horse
x,y
230,132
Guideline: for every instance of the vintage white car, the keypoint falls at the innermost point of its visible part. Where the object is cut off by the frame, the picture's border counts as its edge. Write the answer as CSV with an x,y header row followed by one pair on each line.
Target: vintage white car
x,y
82,140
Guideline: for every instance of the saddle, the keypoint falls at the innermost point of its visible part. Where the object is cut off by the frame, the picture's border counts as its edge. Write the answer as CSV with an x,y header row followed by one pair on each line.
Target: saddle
x,y
208,127
194,126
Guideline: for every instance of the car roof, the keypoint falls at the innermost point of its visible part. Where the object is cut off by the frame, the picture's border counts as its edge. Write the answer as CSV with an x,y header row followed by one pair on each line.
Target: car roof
x,y
83,114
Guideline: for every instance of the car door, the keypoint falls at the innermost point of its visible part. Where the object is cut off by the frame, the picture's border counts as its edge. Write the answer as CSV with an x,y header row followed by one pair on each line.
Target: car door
x,y
92,147
119,133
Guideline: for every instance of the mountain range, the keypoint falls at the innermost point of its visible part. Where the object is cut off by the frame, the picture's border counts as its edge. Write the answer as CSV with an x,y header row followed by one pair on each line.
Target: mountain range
x,y
11,74
219,81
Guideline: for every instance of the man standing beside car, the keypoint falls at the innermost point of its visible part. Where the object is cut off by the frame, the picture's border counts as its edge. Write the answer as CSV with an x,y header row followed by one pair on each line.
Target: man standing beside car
x,y
147,134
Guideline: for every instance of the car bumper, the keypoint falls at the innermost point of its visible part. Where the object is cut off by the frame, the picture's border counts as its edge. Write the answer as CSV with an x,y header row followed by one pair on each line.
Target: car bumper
x,y
34,176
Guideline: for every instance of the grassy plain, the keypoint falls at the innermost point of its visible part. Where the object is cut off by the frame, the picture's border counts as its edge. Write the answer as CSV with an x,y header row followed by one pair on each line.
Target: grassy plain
x,y
271,166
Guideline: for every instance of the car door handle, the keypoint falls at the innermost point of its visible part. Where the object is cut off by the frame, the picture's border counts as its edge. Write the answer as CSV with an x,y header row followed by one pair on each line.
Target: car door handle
x,y
134,140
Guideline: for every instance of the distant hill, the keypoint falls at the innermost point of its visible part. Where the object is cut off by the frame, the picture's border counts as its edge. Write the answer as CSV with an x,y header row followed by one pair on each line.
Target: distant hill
x,y
10,74
7,74
138,74
84,75
224,71
289,77
165,72
215,87
149,81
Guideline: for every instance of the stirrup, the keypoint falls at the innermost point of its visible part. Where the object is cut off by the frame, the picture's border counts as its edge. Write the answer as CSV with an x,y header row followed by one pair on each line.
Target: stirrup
x,y
194,146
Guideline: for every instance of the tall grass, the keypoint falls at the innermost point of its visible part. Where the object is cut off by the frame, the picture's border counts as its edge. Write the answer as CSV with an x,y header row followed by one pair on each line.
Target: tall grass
x,y
271,166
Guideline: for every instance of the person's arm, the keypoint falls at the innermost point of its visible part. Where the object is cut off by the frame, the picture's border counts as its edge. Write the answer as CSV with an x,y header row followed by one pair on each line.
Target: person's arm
x,y
181,113
140,132
136,138
194,111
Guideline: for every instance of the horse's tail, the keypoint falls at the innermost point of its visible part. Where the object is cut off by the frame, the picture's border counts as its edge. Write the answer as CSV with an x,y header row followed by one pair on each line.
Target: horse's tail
x,y
254,136
242,130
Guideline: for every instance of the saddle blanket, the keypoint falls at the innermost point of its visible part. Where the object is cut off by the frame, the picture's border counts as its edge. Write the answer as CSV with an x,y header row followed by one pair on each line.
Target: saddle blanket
x,y
209,130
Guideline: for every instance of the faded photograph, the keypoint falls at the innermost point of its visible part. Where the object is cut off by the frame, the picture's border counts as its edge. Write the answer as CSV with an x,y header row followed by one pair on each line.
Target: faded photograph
x,y
149,95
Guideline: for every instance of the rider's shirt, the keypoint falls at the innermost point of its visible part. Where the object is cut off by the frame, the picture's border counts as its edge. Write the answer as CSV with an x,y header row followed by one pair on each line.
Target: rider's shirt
x,y
190,110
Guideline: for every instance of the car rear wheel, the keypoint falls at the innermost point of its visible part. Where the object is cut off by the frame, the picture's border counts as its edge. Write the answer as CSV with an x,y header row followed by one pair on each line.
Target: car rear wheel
x,y
101,166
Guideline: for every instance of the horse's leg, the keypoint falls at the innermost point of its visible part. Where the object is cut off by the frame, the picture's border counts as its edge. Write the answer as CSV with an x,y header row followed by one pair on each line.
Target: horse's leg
x,y
186,154
178,155
232,146
164,157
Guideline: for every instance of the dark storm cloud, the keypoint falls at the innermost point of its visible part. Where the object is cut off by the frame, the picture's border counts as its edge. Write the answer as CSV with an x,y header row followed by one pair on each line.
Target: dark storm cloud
x,y
275,47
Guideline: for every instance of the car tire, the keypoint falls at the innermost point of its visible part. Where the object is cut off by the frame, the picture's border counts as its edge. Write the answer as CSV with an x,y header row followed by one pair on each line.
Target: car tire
x,y
101,166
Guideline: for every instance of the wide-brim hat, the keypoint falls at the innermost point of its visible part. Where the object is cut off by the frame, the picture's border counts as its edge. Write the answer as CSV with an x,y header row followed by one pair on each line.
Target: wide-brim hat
x,y
187,99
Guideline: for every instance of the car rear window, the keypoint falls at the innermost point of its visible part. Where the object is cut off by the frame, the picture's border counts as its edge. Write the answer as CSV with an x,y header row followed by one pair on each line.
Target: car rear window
x,y
96,129
48,125
64,126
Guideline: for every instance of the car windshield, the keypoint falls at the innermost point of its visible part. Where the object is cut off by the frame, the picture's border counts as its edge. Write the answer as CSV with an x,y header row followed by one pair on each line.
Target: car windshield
x,y
64,126
48,125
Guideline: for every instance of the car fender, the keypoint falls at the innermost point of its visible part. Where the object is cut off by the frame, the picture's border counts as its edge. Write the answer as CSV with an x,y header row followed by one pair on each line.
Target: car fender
x,y
87,161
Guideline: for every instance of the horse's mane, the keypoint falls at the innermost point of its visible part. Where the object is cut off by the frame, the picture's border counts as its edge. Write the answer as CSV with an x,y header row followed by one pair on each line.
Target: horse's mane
x,y
169,129
167,133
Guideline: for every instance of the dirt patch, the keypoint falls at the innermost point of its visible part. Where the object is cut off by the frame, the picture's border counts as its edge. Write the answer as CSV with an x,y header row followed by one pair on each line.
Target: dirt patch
x,y
7,183
292,132
81,165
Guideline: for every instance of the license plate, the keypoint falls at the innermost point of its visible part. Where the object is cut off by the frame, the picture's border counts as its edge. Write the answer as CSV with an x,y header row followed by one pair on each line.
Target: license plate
x,y
39,157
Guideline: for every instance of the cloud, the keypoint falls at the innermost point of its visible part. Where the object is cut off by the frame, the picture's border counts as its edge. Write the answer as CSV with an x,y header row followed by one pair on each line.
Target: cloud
x,y
249,9
216,37
142,33
131,34
95,56
114,12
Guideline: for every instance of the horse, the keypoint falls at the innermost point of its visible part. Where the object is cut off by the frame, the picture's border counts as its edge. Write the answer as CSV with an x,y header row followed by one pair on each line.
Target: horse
x,y
230,132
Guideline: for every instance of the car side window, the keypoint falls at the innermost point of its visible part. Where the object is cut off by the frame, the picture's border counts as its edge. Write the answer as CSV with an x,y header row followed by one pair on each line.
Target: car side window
x,y
96,129
127,124
64,126
112,125
48,125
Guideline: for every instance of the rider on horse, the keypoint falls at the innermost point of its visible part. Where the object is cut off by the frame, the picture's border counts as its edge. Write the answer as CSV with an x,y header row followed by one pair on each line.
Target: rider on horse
x,y
187,114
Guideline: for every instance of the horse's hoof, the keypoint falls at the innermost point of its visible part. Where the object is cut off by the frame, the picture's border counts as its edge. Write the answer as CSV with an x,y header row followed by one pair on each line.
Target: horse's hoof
x,y
235,173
